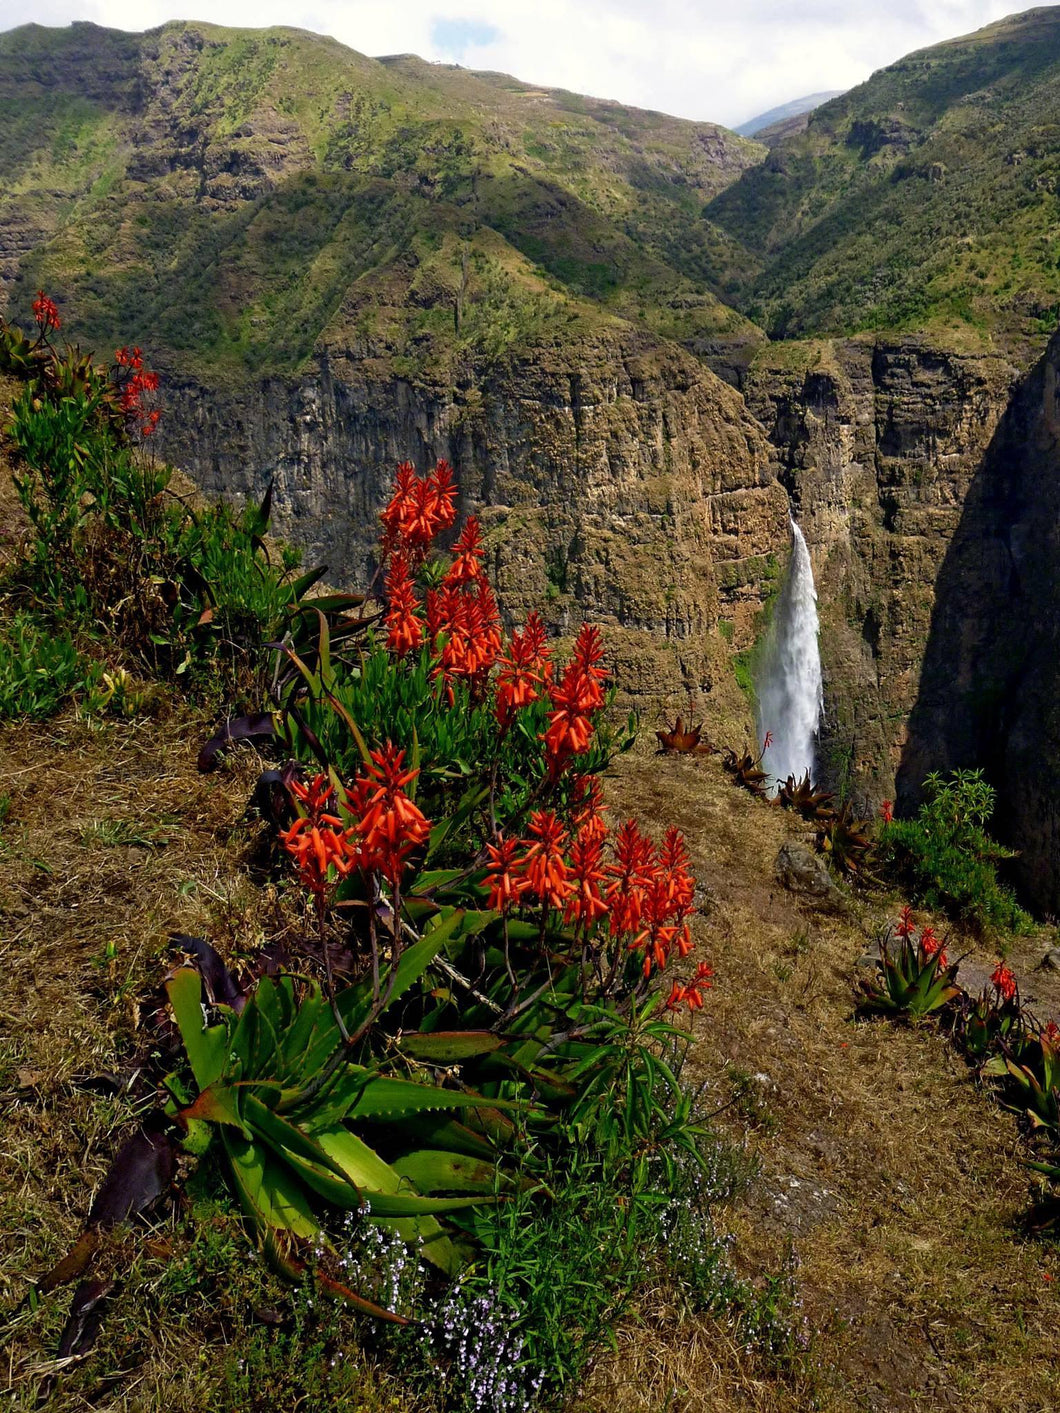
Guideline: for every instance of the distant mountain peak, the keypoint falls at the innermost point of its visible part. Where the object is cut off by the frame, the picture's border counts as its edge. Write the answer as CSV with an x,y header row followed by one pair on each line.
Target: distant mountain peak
x,y
794,109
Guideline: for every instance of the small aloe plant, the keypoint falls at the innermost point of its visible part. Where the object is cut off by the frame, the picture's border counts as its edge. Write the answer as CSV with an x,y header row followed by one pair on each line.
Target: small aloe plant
x,y
1031,1074
914,976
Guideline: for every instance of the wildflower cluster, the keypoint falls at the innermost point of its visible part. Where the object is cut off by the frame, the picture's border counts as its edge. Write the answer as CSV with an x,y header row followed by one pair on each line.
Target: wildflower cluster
x,y
134,381
642,892
485,1350
46,314
373,827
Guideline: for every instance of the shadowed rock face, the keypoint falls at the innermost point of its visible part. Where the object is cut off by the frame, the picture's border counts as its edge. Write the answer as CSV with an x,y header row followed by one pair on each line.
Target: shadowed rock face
x,y
617,480
990,683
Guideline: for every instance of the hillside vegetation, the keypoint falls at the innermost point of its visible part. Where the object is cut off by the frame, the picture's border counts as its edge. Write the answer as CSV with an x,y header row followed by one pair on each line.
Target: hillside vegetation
x,y
925,199
240,192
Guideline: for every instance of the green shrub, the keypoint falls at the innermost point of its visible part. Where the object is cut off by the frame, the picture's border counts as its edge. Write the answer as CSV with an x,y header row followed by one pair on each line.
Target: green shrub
x,y
946,858
39,669
190,594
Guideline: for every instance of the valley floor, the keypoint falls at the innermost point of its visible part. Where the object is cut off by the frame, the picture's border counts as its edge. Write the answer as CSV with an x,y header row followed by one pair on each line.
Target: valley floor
x,y
889,1181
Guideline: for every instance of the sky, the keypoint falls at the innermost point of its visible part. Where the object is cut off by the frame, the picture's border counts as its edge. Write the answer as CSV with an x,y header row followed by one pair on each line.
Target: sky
x,y
711,60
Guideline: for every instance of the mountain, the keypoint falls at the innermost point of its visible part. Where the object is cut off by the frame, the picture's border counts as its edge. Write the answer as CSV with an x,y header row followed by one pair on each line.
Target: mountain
x,y
339,262
925,199
241,192
795,109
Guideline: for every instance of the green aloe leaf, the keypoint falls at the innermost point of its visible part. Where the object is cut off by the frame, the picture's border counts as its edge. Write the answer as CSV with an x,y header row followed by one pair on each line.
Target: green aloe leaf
x,y
271,1195
448,1047
433,1170
384,1095
207,1046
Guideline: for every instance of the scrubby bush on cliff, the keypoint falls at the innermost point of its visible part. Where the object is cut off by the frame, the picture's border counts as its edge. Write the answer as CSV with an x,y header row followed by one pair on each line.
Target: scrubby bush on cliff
x,y
114,556
947,860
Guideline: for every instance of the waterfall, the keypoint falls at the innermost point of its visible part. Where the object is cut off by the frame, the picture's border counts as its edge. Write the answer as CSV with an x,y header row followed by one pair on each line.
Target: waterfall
x,y
788,682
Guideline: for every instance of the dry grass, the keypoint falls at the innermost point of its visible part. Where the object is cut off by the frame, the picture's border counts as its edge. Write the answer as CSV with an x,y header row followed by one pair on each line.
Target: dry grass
x,y
892,1179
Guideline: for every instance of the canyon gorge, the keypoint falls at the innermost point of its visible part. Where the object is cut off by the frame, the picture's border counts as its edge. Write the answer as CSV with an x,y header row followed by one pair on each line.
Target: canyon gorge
x,y
628,340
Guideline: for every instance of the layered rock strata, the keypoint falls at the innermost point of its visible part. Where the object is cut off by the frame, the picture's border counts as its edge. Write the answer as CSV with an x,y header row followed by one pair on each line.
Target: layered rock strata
x,y
617,480
928,485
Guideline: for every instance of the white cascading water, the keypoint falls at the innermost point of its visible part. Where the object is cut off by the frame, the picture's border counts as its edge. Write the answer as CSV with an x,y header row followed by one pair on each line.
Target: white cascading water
x,y
788,685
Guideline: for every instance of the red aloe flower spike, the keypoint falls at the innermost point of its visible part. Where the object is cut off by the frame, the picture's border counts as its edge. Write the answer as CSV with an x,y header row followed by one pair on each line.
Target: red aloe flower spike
x,y
887,811
767,741
906,926
441,496
1004,980
45,313
389,826
586,904
404,629
574,698
543,865
317,840
587,806
467,554
631,874
506,888
523,670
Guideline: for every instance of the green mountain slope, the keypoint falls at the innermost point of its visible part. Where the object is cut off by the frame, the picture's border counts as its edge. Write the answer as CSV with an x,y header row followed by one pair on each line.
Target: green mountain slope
x,y
924,199
240,193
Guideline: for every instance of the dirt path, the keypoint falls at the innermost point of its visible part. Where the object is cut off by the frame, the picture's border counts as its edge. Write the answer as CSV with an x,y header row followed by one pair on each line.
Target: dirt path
x,y
891,1177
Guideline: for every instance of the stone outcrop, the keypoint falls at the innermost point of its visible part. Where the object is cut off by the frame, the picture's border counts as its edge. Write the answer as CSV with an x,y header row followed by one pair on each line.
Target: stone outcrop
x,y
617,479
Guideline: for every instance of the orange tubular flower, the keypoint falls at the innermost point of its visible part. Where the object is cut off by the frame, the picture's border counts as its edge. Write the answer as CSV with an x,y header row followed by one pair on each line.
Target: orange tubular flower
x,y
317,840
933,946
506,888
574,698
418,510
467,554
404,629
887,811
631,874
542,865
389,825
524,670
906,926
586,903
691,994
1004,980
464,627
588,806
46,313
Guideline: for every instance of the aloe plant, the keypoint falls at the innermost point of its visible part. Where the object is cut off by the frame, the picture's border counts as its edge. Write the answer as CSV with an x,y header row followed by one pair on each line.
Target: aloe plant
x,y
1032,1080
909,981
300,1118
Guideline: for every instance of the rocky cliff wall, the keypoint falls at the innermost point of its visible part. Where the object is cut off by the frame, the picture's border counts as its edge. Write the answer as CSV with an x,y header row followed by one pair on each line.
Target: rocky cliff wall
x,y
928,485
618,480
878,445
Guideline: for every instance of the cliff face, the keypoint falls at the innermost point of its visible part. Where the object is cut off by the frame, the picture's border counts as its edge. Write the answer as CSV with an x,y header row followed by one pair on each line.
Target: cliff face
x,y
879,444
990,684
617,480
928,485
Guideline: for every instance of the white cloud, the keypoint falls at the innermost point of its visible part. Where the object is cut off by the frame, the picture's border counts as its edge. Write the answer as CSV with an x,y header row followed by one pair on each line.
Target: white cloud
x,y
704,59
